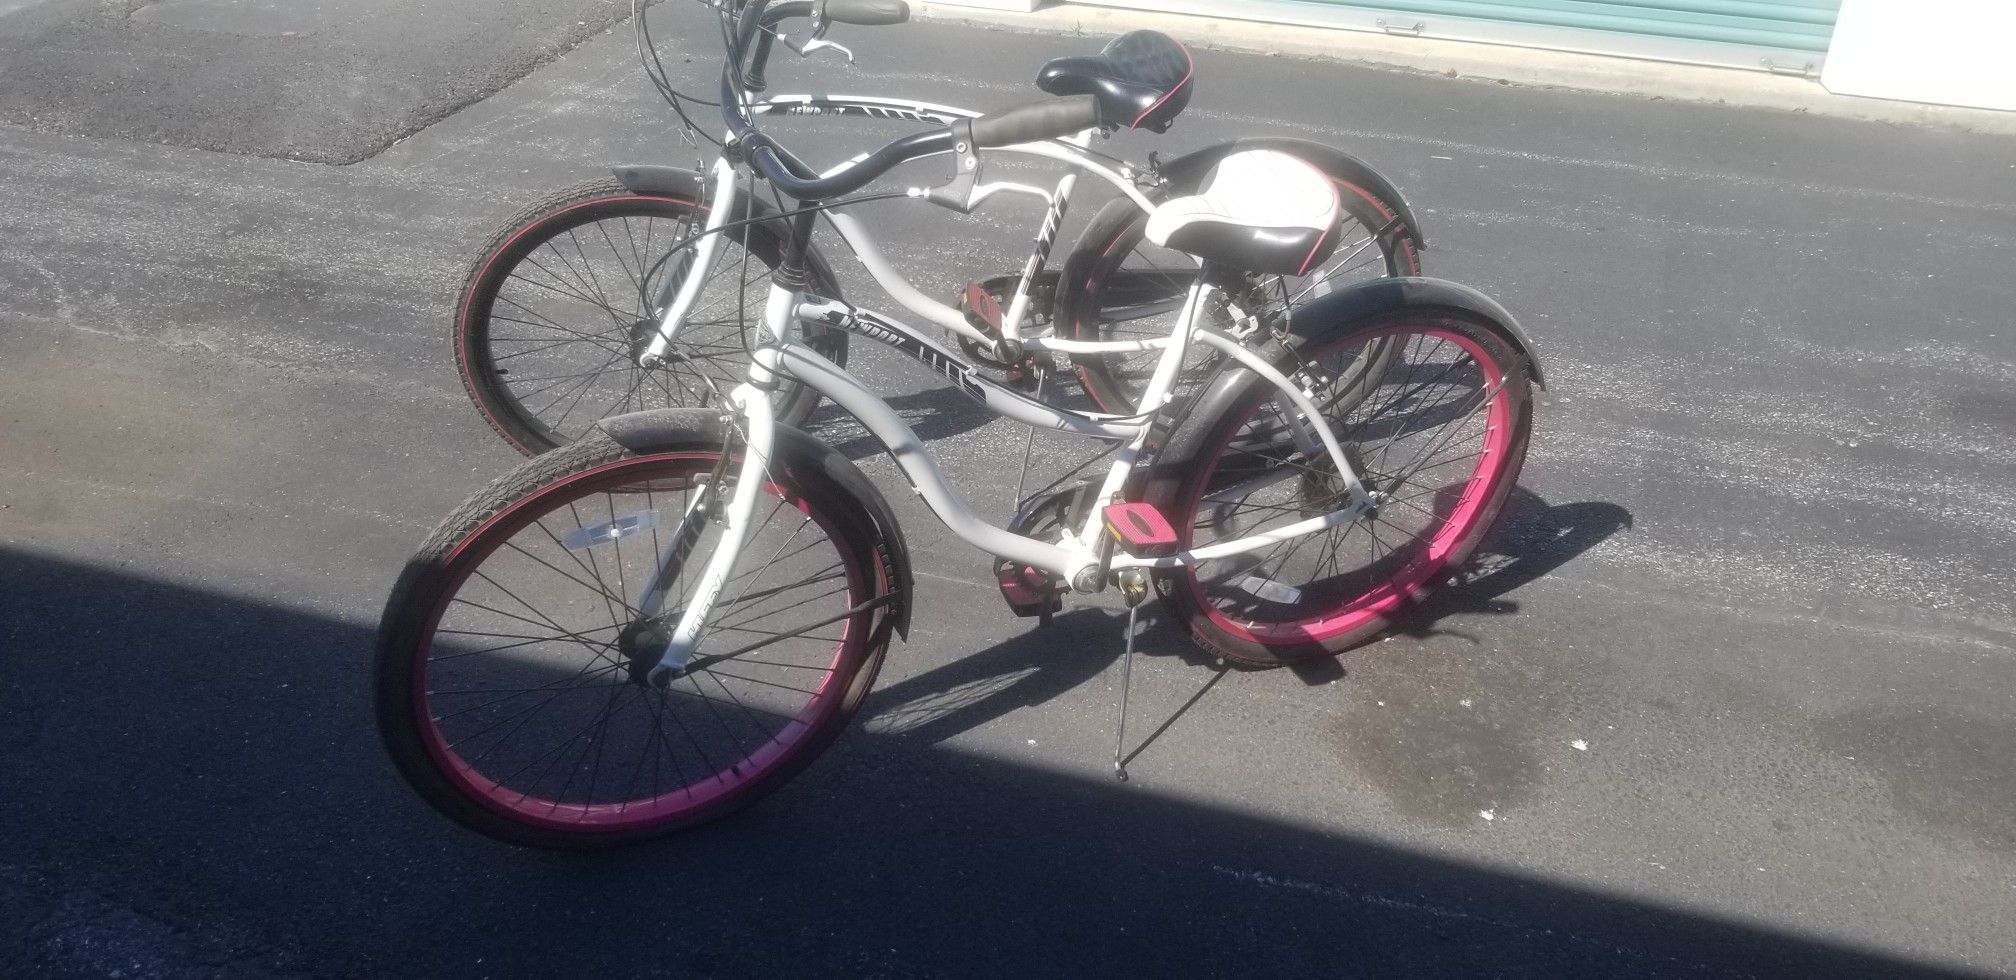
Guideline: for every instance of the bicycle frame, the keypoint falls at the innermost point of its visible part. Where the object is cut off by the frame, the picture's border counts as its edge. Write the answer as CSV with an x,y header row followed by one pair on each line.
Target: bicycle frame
x,y
1086,558
1083,558
693,487
1071,151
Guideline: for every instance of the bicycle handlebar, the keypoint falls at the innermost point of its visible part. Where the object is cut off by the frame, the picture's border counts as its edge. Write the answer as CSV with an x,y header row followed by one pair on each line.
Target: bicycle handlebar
x,y
862,13
1043,120
765,34
1038,121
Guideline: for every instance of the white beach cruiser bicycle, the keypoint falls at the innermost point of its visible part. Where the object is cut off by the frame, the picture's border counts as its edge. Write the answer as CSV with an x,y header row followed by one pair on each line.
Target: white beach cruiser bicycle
x,y
562,317
663,620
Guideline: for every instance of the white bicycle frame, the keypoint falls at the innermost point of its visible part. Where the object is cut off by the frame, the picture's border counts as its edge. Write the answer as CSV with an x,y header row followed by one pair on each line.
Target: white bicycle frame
x,y
1057,200
1082,558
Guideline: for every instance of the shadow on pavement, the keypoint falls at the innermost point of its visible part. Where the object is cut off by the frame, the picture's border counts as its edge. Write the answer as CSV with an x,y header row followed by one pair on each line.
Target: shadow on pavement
x,y
1532,539
193,787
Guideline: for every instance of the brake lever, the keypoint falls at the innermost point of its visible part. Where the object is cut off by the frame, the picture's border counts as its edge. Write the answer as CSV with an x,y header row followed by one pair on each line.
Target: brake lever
x,y
815,45
816,42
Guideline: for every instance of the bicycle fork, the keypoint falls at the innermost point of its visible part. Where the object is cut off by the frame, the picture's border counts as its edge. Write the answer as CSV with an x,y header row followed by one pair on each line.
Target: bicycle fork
x,y
751,406
696,267
749,410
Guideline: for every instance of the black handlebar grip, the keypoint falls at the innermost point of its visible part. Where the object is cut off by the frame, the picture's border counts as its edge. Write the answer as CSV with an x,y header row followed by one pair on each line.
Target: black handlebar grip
x,y
759,61
864,13
1041,121
753,79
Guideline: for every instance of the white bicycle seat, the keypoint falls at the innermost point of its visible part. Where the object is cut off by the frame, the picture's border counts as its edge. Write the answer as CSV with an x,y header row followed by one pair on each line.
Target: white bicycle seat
x,y
1259,211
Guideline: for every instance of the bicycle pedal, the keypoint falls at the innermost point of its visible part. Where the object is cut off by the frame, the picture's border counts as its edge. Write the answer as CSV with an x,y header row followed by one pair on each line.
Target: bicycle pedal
x,y
1141,530
984,307
1028,592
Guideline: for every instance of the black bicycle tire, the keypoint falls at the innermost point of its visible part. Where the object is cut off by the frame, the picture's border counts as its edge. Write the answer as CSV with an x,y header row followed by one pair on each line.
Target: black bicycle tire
x,y
1181,467
416,595
470,327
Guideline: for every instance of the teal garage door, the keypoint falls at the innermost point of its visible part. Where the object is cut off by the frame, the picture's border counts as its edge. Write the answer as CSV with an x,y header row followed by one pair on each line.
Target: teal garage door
x,y
1776,35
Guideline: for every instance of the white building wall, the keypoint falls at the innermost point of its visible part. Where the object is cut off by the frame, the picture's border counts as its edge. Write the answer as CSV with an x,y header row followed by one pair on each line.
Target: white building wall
x,y
1947,52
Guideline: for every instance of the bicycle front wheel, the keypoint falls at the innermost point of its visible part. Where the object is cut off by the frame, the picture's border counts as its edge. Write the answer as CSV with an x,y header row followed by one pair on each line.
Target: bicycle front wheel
x,y
560,304
1433,410
513,663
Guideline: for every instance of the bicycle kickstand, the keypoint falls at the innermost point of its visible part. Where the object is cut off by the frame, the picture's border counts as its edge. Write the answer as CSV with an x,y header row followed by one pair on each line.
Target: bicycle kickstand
x,y
1134,589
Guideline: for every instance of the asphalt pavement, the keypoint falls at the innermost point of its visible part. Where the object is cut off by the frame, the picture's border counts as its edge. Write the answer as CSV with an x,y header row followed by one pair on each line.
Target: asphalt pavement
x,y
1731,695
332,81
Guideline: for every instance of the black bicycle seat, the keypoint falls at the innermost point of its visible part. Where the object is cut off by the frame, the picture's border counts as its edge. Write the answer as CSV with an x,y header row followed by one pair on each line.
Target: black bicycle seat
x,y
1142,80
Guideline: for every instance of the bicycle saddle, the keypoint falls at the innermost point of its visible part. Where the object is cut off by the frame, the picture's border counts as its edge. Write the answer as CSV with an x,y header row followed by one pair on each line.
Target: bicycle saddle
x,y
1142,79
1257,210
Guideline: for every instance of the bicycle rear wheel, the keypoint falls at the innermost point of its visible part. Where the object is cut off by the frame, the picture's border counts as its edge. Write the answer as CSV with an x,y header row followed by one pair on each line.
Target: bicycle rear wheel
x,y
1436,429
513,661
1118,286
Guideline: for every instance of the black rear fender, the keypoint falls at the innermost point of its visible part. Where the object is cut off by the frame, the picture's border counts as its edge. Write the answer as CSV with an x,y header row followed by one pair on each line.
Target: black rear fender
x,y
1358,304
1381,296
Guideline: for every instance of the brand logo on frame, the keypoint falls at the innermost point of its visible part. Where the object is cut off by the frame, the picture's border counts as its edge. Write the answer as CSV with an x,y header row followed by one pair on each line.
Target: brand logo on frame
x,y
951,367
848,109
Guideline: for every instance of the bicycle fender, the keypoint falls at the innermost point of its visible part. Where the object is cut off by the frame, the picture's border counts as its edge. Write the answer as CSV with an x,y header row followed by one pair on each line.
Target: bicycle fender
x,y
672,429
1187,171
1369,299
645,178
1418,292
1386,295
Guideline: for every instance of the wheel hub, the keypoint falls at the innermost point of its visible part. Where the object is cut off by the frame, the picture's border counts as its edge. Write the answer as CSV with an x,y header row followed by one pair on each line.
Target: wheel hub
x,y
1322,486
640,334
642,643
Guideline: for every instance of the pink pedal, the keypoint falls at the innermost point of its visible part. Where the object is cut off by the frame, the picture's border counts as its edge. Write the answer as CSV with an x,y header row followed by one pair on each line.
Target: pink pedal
x,y
1141,530
982,304
1028,591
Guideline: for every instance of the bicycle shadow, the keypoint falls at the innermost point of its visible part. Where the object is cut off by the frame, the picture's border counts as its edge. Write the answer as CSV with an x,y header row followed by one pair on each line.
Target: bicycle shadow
x,y
1532,539
939,413
274,839
1023,671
